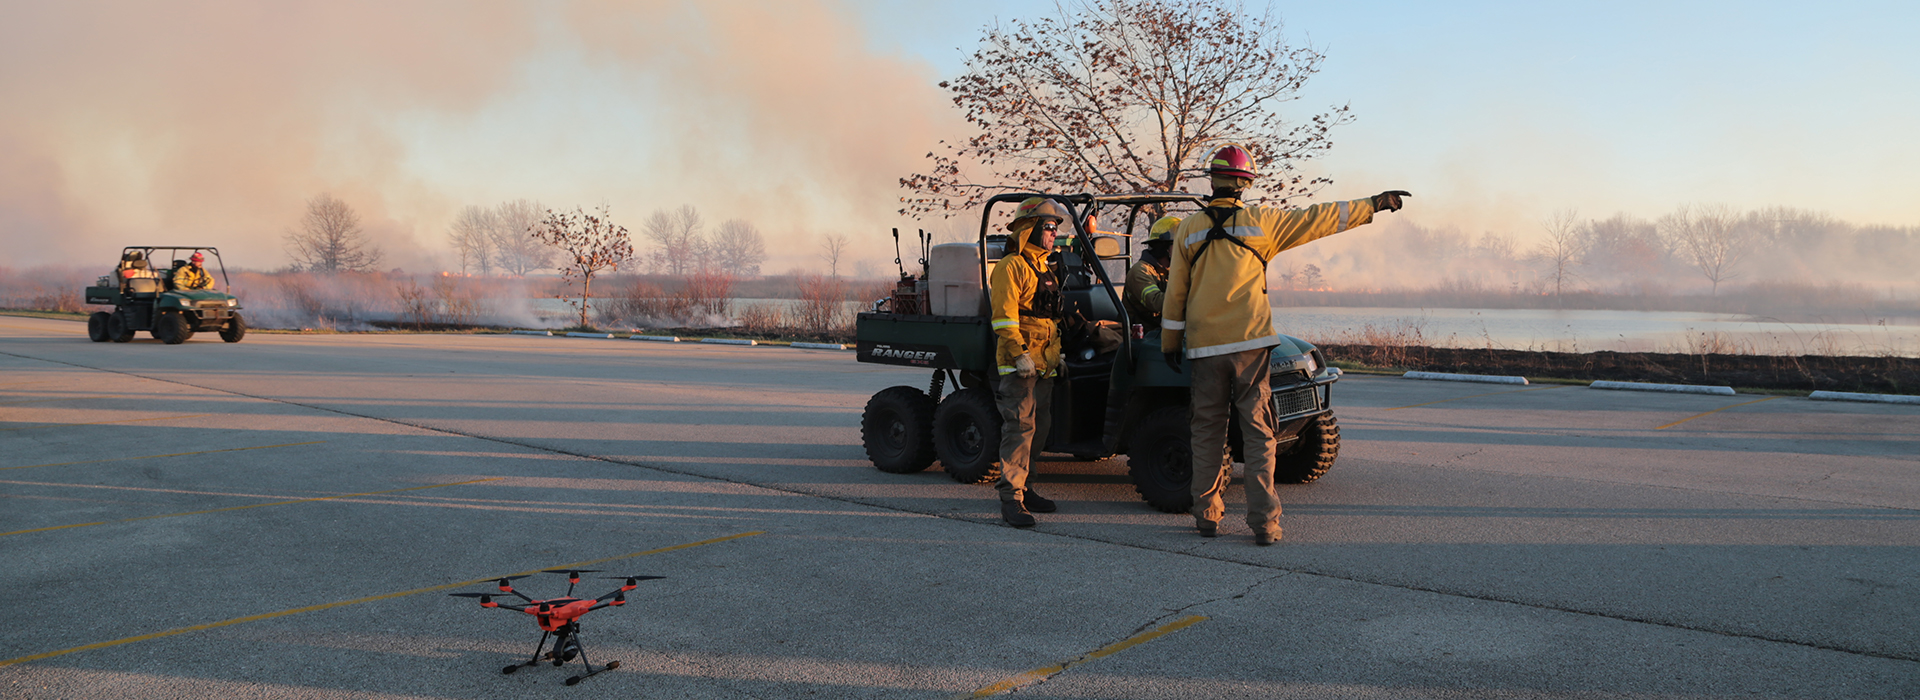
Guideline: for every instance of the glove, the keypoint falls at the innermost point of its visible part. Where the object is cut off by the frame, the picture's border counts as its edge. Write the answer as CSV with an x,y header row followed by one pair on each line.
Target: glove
x,y
1173,361
1389,200
1023,365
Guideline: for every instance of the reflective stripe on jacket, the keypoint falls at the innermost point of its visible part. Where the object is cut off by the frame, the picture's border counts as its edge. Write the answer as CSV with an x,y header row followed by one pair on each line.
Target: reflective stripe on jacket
x,y
190,277
1218,304
1010,290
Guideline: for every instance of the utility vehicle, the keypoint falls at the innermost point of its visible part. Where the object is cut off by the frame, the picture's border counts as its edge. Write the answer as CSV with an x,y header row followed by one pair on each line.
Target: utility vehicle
x,y
145,299
1122,401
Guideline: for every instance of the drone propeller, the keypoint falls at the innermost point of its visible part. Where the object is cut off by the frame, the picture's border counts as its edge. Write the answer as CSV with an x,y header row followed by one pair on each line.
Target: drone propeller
x,y
571,571
634,579
473,595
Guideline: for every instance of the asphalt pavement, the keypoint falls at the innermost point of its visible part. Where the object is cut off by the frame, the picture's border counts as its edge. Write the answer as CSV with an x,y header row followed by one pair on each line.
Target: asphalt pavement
x,y
285,516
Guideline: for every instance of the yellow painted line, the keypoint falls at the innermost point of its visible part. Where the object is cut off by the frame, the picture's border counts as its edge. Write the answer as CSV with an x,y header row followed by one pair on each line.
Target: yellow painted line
x,y
176,454
1717,410
1101,653
105,422
65,398
1475,396
356,601
256,505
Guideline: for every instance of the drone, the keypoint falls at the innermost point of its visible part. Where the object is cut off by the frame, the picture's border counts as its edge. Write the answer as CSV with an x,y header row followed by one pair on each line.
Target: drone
x,y
559,618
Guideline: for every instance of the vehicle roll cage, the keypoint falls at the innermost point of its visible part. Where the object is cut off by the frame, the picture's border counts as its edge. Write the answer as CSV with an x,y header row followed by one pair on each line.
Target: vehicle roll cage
x,y
147,252
1078,205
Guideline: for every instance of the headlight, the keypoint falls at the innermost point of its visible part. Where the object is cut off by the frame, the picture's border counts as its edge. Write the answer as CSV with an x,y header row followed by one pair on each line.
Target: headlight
x,y
1313,364
233,302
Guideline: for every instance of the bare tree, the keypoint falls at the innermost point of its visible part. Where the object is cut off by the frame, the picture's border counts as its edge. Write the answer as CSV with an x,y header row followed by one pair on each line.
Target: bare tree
x,y
1563,249
329,239
1712,238
1125,95
590,243
677,233
832,250
1311,276
517,251
473,239
738,248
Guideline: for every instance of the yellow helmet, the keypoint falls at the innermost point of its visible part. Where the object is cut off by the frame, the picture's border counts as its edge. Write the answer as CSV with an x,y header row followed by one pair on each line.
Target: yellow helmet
x,y
1036,208
1163,229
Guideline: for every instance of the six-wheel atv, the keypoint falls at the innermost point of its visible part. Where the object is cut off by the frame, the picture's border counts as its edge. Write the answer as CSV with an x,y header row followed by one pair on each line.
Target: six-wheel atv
x,y
146,299
1108,401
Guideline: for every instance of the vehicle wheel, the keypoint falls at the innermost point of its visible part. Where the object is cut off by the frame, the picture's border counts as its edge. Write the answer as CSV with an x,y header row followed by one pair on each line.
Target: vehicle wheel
x,y
1312,455
897,430
1161,460
117,330
97,326
234,330
171,328
966,435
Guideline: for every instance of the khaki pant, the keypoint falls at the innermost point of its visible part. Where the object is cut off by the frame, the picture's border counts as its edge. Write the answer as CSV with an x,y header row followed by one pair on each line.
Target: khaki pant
x,y
1220,384
1026,413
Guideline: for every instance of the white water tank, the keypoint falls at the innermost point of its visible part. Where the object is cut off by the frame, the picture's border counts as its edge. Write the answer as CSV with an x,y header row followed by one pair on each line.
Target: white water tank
x,y
953,280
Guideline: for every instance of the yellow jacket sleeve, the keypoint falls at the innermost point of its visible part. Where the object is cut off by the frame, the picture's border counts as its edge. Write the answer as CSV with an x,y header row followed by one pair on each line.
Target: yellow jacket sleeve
x,y
1011,286
1292,228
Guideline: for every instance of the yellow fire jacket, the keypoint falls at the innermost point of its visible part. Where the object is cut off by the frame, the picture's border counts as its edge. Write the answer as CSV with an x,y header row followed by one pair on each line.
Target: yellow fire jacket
x,y
1218,304
191,277
1146,291
1010,292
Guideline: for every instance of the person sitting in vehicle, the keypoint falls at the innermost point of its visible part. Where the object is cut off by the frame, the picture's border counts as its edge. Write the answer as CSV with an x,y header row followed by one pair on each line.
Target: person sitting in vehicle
x,y
192,276
1147,279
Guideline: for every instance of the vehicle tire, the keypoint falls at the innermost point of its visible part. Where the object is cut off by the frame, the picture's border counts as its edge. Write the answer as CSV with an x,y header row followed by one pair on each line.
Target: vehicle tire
x,y
966,435
117,330
234,329
97,326
171,328
1160,460
897,430
1312,455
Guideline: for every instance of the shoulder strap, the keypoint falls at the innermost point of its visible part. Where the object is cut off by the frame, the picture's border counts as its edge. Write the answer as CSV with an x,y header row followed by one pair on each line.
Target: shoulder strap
x,y
1219,232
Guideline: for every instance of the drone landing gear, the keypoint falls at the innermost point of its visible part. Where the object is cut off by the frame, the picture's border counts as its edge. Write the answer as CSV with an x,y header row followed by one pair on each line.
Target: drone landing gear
x,y
566,645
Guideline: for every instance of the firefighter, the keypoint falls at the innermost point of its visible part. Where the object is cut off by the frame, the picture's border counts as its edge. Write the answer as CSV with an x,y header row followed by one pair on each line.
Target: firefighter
x,y
1147,279
1026,300
193,276
1217,315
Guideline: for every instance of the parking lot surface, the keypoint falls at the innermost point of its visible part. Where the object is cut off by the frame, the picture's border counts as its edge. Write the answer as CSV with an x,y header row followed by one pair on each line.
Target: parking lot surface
x,y
283,517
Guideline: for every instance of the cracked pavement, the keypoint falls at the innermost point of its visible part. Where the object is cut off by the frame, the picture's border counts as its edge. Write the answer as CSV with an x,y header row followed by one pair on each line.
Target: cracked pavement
x,y
1548,544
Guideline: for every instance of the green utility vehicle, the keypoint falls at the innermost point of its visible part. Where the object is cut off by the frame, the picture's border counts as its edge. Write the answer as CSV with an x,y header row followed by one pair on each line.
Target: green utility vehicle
x,y
146,299
1108,400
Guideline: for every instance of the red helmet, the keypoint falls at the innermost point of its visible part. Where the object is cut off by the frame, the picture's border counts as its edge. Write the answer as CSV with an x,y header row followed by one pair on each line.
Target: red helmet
x,y
1232,161
197,258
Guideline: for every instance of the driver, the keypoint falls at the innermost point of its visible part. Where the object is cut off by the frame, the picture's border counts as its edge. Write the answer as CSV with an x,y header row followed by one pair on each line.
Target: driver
x,y
193,276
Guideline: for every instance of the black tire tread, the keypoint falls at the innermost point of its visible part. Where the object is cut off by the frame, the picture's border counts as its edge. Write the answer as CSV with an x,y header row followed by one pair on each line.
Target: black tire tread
x,y
1312,455
233,330
97,326
916,411
974,404
1145,448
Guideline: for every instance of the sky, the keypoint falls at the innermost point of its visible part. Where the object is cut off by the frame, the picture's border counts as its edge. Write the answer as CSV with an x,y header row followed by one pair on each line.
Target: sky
x,y
214,121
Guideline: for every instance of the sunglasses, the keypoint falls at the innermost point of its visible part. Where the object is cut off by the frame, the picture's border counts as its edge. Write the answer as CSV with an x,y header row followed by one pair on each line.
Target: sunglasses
x,y
1049,225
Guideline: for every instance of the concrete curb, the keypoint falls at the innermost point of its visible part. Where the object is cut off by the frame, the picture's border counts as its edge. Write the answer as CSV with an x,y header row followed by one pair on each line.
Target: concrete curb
x,y
533,332
1867,398
590,335
1482,378
819,346
1672,388
729,341
657,338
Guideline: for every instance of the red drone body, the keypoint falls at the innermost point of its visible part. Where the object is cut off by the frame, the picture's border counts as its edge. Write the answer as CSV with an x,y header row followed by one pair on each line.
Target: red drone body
x,y
559,617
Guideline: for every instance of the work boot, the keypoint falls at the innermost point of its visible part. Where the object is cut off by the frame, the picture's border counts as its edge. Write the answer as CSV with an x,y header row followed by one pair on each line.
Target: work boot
x,y
1208,529
1037,503
1016,514
1266,539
